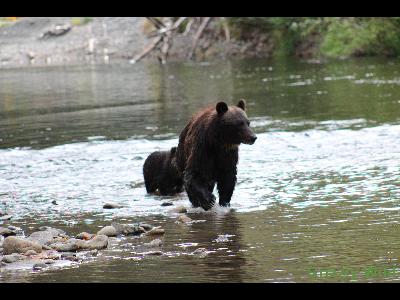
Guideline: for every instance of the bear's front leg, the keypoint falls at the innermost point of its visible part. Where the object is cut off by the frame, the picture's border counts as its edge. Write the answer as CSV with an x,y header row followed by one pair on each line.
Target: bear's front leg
x,y
198,192
225,185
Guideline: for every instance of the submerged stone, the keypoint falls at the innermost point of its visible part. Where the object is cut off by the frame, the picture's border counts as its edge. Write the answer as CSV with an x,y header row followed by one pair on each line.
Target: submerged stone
x,y
112,206
39,266
179,210
184,219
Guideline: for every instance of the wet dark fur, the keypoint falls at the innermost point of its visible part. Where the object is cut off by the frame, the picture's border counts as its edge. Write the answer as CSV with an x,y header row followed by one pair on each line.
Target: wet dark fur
x,y
207,153
161,173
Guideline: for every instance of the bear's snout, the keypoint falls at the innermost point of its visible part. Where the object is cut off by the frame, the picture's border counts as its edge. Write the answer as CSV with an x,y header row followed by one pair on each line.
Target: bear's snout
x,y
250,141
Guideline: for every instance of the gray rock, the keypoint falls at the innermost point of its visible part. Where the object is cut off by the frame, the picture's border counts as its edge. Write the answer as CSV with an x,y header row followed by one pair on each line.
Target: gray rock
x,y
98,242
146,227
112,206
46,236
55,231
5,217
128,229
6,232
72,258
17,245
108,231
155,231
11,258
49,261
53,255
118,227
30,253
68,254
157,252
153,243
39,266
167,204
70,245
54,202
201,252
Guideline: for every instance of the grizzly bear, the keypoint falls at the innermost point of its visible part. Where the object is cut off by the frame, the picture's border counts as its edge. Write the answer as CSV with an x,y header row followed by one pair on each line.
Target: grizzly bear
x,y
161,173
208,149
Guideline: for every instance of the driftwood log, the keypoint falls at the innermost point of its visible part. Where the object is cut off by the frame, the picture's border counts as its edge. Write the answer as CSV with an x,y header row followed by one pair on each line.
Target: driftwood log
x,y
167,29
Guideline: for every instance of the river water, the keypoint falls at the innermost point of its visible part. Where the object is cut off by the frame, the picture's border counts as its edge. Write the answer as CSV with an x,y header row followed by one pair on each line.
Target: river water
x,y
317,194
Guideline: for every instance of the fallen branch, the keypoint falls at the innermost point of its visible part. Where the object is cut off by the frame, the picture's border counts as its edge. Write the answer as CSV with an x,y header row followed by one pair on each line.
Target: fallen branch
x,y
168,28
226,30
164,36
188,27
156,22
147,50
203,25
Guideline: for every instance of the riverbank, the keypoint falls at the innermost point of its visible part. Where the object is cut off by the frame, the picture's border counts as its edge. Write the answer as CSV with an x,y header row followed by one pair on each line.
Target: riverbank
x,y
45,41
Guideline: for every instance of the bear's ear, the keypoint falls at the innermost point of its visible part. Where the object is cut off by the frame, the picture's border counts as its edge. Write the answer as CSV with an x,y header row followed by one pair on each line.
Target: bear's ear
x,y
173,150
222,108
242,104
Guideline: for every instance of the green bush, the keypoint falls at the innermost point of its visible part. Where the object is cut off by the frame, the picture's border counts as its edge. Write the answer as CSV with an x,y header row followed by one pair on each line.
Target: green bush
x,y
336,36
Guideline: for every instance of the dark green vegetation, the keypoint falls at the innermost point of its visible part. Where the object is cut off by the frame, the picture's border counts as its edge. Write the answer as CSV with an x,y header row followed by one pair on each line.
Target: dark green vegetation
x,y
325,36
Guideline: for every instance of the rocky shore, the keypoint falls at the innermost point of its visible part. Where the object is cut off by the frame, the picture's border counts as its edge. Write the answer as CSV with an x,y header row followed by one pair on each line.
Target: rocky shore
x,y
49,41
49,248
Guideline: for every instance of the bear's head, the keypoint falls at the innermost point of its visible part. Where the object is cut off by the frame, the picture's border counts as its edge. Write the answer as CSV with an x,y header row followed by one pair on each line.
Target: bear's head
x,y
233,125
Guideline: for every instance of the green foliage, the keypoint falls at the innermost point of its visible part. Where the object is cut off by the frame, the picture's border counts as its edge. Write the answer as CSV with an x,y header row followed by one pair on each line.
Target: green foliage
x,y
77,21
362,36
331,36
